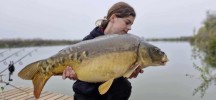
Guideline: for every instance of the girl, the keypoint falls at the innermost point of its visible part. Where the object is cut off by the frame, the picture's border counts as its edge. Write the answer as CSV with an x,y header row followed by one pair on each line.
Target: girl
x,y
119,20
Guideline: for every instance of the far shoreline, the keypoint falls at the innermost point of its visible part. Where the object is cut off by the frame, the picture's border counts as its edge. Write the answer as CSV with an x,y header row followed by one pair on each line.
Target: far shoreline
x,y
15,43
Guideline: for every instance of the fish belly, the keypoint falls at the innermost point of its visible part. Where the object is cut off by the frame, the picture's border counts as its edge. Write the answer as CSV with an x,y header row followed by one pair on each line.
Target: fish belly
x,y
105,66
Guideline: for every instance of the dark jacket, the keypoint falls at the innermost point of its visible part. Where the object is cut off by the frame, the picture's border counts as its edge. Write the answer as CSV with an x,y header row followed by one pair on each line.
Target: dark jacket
x,y
94,33
120,89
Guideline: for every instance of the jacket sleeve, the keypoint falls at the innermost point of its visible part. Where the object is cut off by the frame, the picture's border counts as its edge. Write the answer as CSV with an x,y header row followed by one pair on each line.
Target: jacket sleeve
x,y
88,37
94,33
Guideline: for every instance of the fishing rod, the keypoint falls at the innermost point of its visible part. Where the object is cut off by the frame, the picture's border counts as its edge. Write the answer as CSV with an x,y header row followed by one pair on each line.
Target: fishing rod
x,y
10,56
11,63
1,53
28,54
11,69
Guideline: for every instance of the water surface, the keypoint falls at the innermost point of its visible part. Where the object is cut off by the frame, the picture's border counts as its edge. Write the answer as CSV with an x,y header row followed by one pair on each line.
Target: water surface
x,y
175,81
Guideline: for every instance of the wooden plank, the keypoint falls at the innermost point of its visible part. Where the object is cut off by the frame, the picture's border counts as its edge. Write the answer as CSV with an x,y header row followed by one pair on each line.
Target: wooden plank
x,y
20,97
47,96
18,94
23,95
27,94
10,92
33,98
12,96
27,91
71,98
13,90
54,97
64,97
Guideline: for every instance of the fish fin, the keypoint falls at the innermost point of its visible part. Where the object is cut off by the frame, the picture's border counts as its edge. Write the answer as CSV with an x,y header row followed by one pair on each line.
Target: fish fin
x,y
130,71
103,88
39,81
29,71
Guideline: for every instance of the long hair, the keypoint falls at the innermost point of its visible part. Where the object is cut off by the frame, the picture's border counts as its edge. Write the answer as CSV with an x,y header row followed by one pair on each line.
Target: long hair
x,y
121,10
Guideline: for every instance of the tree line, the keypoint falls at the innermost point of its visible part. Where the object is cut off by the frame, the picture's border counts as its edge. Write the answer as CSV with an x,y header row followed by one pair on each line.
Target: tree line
x,y
205,39
13,43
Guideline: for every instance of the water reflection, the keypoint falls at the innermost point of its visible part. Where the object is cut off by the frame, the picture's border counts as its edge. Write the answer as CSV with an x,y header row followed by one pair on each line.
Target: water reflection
x,y
206,69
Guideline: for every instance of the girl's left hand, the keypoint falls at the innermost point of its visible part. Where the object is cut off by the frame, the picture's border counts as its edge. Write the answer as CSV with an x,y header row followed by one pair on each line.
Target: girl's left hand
x,y
136,72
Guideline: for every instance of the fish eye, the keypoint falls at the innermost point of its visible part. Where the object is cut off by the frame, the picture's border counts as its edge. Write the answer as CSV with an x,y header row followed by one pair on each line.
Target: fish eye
x,y
156,49
162,53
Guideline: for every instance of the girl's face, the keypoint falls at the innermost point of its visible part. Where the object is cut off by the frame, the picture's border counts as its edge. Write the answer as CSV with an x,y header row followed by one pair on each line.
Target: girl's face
x,y
121,25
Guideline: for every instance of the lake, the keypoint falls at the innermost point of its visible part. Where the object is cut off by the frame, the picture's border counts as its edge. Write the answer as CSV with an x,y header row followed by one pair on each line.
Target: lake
x,y
178,80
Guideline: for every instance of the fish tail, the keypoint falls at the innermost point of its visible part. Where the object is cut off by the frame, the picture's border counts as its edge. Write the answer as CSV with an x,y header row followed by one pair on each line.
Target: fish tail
x,y
29,71
39,79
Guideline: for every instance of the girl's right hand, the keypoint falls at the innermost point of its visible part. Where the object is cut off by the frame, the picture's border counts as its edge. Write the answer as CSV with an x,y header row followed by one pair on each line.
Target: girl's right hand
x,y
69,73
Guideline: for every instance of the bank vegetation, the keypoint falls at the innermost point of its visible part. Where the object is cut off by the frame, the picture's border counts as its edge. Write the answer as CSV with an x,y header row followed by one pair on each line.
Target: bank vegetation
x,y
13,43
205,39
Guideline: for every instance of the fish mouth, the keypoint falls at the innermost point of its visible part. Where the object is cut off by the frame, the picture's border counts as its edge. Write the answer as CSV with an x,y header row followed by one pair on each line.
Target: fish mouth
x,y
164,60
125,32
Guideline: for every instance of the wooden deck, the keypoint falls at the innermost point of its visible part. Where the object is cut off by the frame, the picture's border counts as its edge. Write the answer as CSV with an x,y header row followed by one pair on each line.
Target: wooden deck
x,y
27,94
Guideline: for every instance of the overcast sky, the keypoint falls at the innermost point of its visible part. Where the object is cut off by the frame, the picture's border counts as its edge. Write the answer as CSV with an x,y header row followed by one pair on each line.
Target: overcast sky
x,y
74,19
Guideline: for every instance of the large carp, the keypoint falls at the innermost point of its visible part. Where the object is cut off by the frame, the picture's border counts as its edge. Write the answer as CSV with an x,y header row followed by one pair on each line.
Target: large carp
x,y
99,60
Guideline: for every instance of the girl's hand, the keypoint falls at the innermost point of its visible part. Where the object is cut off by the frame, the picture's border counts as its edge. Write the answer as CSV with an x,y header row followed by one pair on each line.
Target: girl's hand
x,y
69,73
136,72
